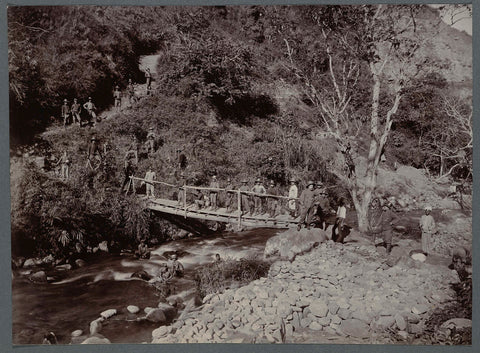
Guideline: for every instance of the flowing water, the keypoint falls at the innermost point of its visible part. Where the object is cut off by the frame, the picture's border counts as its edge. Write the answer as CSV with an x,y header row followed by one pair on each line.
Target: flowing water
x,y
78,298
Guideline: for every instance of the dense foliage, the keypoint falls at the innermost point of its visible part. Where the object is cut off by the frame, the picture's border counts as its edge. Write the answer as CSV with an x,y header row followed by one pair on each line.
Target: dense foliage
x,y
228,95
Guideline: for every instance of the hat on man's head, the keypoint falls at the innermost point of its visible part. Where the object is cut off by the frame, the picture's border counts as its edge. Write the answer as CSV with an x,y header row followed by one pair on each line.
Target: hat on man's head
x,y
428,208
272,182
258,180
65,100
93,138
319,183
244,181
310,182
292,180
89,98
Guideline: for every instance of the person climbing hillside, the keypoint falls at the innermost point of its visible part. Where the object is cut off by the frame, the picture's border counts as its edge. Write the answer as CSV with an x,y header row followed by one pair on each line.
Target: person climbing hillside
x,y
428,227
65,113
117,96
65,167
90,108
150,144
94,154
76,110
306,202
132,149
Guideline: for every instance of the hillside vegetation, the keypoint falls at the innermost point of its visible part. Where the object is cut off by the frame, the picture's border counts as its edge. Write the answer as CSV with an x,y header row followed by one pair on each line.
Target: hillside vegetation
x,y
225,93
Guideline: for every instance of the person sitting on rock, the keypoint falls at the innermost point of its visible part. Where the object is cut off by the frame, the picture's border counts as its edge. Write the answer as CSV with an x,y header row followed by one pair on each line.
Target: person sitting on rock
x,y
162,275
142,252
174,266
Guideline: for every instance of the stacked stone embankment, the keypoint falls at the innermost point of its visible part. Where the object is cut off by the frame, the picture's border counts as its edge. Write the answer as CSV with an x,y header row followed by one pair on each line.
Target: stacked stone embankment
x,y
346,291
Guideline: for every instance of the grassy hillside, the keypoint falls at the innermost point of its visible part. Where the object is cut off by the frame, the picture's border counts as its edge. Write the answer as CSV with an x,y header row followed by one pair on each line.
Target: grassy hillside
x,y
225,94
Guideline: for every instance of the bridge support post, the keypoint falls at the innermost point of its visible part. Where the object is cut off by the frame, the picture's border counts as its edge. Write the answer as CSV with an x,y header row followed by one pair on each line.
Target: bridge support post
x,y
239,203
185,200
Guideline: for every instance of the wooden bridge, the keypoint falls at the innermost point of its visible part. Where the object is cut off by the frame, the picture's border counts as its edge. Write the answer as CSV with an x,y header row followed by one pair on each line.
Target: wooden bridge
x,y
182,207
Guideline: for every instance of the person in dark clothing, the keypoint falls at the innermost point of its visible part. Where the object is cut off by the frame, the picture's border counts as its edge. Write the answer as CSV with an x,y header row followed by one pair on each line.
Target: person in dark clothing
x,y
117,96
148,77
182,160
94,154
244,198
230,196
272,202
349,161
380,221
339,222
142,252
128,171
76,110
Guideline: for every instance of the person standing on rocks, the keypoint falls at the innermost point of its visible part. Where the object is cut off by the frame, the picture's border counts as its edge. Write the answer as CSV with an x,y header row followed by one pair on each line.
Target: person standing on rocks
x,y
174,266
321,200
381,221
258,188
428,227
244,198
292,202
214,193
306,202
339,222
90,108
375,219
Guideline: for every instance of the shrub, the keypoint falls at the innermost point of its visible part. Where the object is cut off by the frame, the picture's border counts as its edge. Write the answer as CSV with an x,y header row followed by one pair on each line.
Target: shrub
x,y
216,277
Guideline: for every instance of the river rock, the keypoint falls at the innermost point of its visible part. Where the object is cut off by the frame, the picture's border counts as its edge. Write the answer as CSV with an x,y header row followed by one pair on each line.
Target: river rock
x,y
162,331
80,263
108,313
96,340
132,309
419,257
39,277
142,275
419,309
400,322
157,316
103,246
48,259
29,263
457,323
77,333
96,326
385,322
64,267
319,308
355,328
169,310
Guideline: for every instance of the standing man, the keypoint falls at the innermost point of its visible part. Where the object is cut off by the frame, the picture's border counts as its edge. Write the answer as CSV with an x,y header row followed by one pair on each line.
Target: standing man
x,y
133,149
272,202
128,171
292,194
65,171
244,198
339,222
321,199
76,110
117,96
182,191
428,227
375,224
151,140
65,113
230,197
306,202
214,193
350,166
131,91
258,188
149,177
90,108
148,77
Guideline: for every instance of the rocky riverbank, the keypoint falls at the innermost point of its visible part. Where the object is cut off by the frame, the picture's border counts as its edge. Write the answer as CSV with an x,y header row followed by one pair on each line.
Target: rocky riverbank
x,y
349,293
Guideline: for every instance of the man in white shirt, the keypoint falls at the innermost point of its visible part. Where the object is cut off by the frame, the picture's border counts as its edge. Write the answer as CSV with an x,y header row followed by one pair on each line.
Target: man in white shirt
x,y
292,194
149,177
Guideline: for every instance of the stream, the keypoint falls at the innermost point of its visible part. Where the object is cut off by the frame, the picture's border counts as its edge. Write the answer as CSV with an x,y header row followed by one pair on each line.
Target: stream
x,y
104,283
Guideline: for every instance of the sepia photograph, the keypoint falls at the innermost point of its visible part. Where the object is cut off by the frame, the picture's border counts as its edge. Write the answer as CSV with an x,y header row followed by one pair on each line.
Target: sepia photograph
x,y
263,174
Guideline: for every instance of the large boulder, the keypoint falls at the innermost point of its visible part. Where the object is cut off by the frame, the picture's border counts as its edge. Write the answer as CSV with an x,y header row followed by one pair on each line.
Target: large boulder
x,y
39,277
457,323
169,311
157,316
291,243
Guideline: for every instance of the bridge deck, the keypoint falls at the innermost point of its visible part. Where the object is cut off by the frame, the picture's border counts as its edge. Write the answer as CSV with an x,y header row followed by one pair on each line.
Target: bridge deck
x,y
220,215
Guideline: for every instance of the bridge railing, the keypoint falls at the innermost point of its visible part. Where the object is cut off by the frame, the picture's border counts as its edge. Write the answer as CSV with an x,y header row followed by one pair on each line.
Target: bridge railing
x,y
245,200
